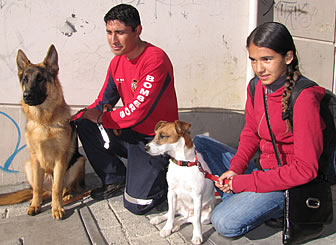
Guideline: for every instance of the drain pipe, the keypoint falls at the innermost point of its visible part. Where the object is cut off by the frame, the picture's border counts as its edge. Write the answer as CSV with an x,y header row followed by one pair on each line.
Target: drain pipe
x,y
252,23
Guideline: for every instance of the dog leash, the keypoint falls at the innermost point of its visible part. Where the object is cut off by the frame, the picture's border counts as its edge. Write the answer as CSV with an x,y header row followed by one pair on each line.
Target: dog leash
x,y
206,174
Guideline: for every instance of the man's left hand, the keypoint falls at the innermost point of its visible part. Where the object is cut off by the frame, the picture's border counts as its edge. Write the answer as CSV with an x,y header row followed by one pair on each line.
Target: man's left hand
x,y
92,115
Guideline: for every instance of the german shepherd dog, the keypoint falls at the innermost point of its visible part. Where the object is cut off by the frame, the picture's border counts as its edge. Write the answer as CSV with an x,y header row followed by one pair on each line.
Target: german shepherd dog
x,y
55,166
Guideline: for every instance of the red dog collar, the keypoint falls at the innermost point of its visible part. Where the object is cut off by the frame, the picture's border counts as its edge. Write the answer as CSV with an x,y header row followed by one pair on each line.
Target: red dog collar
x,y
184,163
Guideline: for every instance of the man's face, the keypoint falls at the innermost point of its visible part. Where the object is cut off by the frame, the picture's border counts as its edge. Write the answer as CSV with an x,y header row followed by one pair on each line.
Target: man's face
x,y
122,39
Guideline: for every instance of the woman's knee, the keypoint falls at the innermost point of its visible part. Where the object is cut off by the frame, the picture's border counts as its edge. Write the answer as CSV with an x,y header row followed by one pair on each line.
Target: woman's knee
x,y
227,226
201,141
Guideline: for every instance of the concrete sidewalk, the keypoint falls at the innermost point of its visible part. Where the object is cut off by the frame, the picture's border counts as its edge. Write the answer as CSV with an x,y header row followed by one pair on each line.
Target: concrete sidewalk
x,y
107,222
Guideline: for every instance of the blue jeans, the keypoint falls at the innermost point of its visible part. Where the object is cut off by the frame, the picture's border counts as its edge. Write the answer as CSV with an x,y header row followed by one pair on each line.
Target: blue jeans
x,y
238,213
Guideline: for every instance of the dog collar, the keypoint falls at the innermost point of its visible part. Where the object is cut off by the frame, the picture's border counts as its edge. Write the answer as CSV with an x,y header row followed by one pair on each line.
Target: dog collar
x,y
185,163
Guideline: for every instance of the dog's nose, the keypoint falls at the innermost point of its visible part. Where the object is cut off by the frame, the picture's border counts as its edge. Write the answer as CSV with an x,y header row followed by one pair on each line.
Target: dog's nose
x,y
27,95
147,147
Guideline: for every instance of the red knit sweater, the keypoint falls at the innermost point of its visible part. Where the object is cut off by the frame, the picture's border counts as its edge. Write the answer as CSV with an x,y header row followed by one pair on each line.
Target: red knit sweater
x,y
299,151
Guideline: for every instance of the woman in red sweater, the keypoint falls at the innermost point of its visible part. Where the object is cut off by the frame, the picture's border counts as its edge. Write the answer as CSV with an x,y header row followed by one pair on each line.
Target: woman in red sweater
x,y
255,195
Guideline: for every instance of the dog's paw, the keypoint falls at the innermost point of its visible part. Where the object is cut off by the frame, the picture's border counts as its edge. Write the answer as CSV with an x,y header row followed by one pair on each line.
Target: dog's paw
x,y
33,210
155,220
57,213
67,197
165,232
205,222
176,228
196,240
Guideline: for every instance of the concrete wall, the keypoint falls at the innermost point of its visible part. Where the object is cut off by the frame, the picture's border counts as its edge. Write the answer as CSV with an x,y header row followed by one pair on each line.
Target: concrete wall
x,y
205,39
312,23
194,33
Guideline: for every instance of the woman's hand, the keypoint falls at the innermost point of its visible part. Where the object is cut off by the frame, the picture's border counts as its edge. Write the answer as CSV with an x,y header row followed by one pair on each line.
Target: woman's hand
x,y
224,182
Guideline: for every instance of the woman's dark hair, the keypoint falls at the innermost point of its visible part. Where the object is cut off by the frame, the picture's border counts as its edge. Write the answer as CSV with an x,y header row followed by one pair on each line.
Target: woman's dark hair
x,y
124,13
276,36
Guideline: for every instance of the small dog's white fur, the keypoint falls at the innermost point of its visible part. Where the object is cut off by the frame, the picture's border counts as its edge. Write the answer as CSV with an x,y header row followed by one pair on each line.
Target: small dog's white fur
x,y
190,194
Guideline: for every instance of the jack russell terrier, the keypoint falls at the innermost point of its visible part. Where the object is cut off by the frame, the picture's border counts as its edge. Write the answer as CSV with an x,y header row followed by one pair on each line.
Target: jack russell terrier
x,y
190,193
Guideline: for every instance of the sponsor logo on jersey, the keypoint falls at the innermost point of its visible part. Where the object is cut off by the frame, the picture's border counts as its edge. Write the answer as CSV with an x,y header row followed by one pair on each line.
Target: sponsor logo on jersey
x,y
140,98
134,85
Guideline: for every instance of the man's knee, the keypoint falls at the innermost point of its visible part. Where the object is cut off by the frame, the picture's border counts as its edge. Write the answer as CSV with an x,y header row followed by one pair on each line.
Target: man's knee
x,y
84,126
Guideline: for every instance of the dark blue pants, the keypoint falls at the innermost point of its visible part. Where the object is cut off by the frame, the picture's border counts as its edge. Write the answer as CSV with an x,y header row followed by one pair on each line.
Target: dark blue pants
x,y
145,175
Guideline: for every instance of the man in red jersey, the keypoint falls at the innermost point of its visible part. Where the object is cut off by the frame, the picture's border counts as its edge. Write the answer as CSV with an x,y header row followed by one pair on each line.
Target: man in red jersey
x,y
141,75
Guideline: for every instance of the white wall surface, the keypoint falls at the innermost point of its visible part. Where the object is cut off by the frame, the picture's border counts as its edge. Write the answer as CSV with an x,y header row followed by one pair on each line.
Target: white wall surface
x,y
204,39
312,23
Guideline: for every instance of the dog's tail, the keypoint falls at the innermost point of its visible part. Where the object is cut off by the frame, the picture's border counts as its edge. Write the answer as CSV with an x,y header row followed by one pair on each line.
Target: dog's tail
x,y
16,197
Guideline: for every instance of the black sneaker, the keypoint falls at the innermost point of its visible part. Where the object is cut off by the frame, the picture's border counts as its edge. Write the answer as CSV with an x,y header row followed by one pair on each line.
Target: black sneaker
x,y
107,191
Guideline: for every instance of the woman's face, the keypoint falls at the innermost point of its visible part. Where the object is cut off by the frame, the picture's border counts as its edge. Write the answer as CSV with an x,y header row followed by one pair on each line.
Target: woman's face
x,y
267,64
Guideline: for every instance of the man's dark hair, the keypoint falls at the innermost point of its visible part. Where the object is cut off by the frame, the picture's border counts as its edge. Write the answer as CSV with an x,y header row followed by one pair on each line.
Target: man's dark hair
x,y
124,13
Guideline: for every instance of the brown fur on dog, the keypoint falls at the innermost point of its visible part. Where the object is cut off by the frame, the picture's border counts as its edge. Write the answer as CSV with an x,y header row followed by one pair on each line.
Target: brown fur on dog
x,y
50,138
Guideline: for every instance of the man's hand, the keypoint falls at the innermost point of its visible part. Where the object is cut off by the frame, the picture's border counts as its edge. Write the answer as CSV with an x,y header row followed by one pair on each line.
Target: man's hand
x,y
80,112
224,182
92,115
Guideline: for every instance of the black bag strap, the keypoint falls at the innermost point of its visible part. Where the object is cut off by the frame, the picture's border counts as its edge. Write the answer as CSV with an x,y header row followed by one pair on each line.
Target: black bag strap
x,y
277,155
252,86
300,85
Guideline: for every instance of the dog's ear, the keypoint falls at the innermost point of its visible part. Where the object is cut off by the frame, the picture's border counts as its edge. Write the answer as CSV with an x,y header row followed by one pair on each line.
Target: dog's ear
x,y
51,60
159,124
21,62
182,127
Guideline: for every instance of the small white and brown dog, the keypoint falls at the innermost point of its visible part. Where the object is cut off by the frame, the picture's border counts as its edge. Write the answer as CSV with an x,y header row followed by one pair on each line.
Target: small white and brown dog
x,y
190,194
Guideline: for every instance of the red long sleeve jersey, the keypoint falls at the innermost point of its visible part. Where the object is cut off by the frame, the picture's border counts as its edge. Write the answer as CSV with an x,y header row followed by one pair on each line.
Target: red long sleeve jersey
x,y
299,150
146,87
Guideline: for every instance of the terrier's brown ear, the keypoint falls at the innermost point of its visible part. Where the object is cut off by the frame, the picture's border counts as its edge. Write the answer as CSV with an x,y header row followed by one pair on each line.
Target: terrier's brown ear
x,y
159,124
21,62
51,60
182,127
